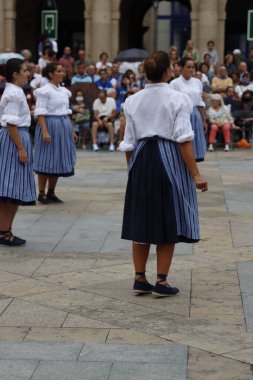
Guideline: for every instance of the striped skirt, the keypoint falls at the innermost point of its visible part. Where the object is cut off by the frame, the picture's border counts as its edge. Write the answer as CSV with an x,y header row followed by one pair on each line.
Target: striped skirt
x,y
57,158
199,142
17,183
160,203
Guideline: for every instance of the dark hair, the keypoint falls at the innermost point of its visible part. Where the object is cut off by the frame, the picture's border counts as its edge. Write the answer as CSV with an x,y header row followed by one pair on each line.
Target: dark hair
x,y
204,64
184,60
50,68
101,70
205,55
103,92
156,64
104,53
12,66
210,42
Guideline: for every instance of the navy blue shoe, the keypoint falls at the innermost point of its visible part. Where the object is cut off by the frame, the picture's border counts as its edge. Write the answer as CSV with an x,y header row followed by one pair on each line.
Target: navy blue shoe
x,y
161,290
142,287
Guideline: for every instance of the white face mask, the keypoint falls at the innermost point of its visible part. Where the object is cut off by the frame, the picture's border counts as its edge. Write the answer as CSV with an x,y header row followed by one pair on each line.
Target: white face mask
x,y
79,98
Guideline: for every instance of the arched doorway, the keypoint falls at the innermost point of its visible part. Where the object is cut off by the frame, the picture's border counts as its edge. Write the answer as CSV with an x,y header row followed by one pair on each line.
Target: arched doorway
x,y
71,24
236,25
148,24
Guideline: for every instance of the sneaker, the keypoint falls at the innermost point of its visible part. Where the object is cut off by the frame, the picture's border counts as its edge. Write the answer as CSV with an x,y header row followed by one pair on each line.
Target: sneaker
x,y
210,148
95,147
141,287
227,149
111,148
164,290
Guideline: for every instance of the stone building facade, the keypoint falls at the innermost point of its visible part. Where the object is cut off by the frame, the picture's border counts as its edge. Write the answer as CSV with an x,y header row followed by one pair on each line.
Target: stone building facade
x,y
106,23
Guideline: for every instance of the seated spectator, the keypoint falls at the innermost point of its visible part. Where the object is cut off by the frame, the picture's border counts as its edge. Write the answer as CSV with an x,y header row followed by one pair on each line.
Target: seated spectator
x,y
67,63
46,42
235,78
115,76
219,118
81,58
221,82
245,111
176,72
123,89
212,69
104,114
243,67
81,75
37,77
243,85
27,54
141,77
103,83
204,69
92,72
174,57
132,79
81,117
203,78
191,52
212,52
231,100
237,54
103,62
112,93
229,64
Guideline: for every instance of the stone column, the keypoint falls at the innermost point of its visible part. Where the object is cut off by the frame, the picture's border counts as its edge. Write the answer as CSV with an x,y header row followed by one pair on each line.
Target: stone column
x,y
115,19
208,23
2,26
88,28
101,28
10,24
221,29
194,28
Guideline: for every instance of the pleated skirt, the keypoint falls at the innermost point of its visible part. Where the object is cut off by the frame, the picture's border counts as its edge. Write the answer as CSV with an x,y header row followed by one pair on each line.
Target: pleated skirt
x,y
17,184
57,158
160,202
199,142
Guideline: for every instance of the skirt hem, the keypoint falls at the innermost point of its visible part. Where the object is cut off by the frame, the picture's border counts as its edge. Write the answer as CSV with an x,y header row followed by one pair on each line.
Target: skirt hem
x,y
180,239
17,202
70,174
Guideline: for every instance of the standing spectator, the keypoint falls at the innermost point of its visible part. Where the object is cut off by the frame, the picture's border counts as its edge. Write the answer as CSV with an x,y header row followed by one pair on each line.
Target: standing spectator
x,y
250,61
54,147
45,41
91,71
17,186
103,62
104,113
237,57
212,52
67,63
103,83
191,86
81,75
220,118
229,64
221,82
191,52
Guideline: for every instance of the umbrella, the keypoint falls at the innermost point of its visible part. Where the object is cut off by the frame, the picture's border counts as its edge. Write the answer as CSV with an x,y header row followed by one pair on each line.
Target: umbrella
x,y
4,57
132,55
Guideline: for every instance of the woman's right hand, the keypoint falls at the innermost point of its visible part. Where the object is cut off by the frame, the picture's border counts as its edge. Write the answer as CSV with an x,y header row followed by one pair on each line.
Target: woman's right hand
x,y
22,156
46,138
200,182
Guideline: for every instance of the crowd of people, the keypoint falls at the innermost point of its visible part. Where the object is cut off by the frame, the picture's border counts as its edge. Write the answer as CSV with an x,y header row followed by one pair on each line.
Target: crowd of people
x,y
102,121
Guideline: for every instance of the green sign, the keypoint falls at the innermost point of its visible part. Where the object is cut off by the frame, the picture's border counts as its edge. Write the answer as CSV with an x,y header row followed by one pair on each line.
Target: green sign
x,y
49,24
250,26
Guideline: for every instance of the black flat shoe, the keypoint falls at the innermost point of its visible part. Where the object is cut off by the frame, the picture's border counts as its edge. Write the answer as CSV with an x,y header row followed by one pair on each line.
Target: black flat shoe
x,y
53,198
43,199
18,239
10,240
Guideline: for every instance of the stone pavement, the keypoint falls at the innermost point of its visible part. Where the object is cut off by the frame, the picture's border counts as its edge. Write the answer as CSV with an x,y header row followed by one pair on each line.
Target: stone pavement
x,y
66,306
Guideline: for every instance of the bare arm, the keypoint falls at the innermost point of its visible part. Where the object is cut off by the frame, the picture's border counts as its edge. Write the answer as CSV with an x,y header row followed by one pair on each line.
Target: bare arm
x,y
43,126
187,152
13,131
128,157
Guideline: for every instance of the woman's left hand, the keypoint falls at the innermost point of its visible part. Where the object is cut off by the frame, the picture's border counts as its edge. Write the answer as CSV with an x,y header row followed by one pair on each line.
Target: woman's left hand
x,y
205,127
75,137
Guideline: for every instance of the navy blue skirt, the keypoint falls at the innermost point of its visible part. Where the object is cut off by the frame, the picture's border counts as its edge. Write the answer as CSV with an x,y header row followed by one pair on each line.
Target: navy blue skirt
x,y
57,158
160,203
199,142
17,183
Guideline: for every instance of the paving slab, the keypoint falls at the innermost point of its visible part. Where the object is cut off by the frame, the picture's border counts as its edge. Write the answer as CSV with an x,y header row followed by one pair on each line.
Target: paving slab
x,y
17,369
242,234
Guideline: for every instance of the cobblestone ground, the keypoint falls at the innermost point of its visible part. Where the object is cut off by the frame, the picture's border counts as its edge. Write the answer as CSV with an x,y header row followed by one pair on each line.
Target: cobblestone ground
x,y
66,306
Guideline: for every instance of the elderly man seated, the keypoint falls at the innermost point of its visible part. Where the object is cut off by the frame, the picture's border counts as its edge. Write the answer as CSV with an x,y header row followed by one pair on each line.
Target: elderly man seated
x,y
104,113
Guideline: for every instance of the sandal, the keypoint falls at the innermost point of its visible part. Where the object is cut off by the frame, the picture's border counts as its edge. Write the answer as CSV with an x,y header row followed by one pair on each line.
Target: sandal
x,y
6,238
142,287
164,290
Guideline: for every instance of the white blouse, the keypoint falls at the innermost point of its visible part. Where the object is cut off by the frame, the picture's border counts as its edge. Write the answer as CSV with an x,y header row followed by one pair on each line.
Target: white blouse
x,y
14,108
52,100
157,111
192,87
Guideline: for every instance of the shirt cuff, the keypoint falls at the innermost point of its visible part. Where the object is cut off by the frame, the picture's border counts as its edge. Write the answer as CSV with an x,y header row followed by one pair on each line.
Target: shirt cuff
x,y
186,137
40,112
10,119
125,147
70,112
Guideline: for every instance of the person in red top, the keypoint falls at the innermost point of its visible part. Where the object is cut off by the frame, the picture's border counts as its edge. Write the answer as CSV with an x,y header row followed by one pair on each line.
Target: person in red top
x,y
67,63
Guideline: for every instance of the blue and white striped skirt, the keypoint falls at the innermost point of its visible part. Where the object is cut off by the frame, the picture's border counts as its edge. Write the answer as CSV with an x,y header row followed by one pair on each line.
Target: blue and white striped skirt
x,y
17,183
161,202
57,158
199,142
